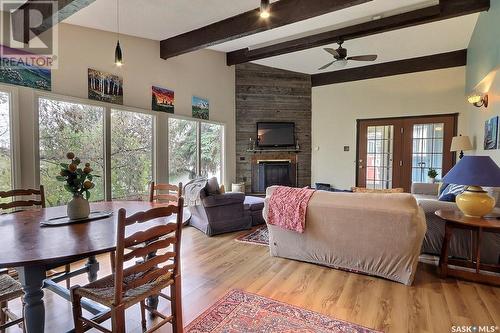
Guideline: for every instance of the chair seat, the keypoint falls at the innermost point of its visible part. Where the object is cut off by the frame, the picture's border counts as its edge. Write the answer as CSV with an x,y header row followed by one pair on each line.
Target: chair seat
x,y
103,290
9,288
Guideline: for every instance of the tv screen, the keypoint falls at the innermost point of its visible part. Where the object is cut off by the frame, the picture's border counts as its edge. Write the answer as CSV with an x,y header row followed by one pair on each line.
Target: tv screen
x,y
275,134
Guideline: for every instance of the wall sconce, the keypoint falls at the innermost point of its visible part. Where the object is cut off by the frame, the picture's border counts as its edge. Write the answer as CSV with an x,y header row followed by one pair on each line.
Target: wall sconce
x,y
478,99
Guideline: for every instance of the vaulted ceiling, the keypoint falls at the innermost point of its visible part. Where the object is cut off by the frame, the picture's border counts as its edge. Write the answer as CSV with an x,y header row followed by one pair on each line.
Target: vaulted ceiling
x,y
162,19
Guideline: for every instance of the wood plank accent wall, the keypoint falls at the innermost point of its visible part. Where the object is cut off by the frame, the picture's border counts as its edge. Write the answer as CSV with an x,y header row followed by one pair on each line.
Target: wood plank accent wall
x,y
270,94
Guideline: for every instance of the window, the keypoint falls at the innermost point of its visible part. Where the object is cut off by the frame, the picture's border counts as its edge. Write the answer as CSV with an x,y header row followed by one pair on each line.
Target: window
x,y
182,149
65,127
5,143
380,141
211,150
131,154
427,150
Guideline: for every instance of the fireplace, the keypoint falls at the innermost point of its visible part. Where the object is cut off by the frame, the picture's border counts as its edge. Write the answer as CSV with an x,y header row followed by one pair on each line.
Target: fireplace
x,y
267,171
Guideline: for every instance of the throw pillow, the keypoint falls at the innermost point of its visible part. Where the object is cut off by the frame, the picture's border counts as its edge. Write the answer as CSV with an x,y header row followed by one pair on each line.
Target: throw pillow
x,y
370,190
450,193
212,186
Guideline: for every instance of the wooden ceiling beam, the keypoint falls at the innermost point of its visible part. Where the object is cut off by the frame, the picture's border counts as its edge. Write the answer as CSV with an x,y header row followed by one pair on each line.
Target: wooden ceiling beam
x,y
283,12
446,9
413,65
22,32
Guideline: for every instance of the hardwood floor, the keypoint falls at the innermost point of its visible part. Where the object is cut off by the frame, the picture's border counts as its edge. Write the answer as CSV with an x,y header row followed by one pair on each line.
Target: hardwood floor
x,y
213,266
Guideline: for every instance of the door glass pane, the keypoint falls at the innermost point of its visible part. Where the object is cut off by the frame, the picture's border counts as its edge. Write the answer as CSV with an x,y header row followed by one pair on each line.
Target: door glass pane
x,y
182,150
427,151
380,144
131,154
5,145
69,127
211,150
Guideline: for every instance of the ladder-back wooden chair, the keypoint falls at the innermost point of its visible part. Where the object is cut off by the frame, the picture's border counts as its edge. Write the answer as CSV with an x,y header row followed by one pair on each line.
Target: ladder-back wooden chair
x,y
164,192
10,289
20,199
134,284
161,193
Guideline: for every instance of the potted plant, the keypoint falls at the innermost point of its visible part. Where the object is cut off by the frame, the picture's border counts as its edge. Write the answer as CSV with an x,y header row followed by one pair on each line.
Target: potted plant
x,y
79,182
432,175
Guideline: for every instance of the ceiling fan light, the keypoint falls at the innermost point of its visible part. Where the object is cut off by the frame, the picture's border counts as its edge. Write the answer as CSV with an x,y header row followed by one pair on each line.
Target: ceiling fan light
x,y
265,9
118,55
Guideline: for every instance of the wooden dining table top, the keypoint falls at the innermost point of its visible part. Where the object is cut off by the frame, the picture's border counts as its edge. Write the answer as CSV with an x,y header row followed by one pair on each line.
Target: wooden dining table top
x,y
24,242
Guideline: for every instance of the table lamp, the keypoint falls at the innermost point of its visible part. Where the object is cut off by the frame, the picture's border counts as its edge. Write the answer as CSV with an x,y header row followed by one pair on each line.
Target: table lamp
x,y
460,143
474,172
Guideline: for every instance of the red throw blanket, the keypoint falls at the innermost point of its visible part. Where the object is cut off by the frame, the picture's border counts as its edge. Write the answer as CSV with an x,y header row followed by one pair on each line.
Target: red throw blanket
x,y
288,207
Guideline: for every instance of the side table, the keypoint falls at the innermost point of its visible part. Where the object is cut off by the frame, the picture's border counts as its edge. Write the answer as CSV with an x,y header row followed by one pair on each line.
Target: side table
x,y
454,219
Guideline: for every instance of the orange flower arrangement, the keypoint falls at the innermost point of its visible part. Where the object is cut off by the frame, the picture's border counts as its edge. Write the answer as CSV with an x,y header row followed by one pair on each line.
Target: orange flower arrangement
x,y
78,180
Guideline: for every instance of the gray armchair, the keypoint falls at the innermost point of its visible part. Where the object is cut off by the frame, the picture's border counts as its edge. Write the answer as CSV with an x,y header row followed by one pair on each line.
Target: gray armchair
x,y
220,213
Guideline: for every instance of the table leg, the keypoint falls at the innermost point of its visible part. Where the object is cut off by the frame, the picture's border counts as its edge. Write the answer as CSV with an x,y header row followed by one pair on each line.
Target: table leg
x,y
93,267
31,278
443,260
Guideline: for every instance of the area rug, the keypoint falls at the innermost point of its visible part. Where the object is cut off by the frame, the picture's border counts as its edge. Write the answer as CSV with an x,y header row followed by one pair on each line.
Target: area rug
x,y
242,312
259,236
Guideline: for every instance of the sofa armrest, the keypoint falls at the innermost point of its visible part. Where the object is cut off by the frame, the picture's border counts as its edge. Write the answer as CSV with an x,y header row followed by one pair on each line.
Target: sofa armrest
x,y
425,188
223,199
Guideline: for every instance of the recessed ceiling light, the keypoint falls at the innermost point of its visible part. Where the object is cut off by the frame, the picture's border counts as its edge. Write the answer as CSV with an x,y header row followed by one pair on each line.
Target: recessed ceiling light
x,y
376,17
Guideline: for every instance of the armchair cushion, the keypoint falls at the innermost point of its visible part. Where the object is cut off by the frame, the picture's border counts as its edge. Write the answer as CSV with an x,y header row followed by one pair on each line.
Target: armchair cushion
x,y
223,199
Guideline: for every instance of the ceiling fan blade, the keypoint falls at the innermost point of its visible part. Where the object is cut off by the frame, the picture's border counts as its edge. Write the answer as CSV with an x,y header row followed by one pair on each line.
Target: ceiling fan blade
x,y
368,57
333,52
327,65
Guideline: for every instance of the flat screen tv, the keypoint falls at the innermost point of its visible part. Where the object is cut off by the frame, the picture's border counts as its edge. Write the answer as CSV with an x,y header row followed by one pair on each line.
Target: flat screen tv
x,y
274,134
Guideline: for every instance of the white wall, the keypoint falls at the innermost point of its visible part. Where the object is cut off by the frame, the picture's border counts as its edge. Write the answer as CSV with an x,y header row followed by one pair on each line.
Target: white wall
x,y
335,109
202,73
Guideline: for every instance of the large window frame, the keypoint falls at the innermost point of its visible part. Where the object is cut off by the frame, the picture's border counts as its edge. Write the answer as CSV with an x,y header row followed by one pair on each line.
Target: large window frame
x,y
160,137
13,93
199,122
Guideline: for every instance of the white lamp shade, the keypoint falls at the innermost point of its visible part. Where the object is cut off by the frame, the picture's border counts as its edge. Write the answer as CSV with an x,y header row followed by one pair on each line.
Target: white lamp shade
x,y
460,143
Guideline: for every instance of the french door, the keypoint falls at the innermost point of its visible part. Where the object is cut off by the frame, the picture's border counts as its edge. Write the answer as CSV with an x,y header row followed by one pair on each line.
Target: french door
x,y
395,152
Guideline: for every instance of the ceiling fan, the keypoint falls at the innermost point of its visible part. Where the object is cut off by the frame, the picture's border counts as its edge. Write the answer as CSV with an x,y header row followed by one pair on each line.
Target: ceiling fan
x,y
341,57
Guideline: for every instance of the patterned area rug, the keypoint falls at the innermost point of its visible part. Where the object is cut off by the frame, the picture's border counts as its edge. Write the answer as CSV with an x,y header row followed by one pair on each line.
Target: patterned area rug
x,y
242,312
259,236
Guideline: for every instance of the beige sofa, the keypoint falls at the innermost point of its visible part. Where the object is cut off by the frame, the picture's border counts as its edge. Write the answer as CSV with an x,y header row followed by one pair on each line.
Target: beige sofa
x,y
376,234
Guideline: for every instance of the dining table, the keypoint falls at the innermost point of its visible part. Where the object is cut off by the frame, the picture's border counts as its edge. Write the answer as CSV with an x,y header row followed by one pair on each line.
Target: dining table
x,y
33,249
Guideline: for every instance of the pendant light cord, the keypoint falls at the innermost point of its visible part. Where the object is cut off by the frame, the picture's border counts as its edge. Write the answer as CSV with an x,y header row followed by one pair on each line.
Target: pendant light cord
x,y
118,19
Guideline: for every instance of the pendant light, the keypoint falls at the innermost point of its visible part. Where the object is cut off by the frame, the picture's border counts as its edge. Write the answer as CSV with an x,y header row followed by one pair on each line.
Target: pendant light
x,y
118,49
265,9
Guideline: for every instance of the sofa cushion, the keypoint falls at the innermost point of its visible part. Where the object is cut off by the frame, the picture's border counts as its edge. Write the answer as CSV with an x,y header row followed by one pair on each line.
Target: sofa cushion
x,y
370,190
450,192
254,203
223,199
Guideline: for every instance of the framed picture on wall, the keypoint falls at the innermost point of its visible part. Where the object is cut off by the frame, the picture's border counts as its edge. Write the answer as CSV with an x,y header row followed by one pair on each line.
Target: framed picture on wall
x,y
105,87
162,99
491,134
200,108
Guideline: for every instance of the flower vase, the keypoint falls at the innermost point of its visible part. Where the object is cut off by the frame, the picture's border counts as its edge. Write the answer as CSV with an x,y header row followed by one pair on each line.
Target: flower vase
x,y
78,208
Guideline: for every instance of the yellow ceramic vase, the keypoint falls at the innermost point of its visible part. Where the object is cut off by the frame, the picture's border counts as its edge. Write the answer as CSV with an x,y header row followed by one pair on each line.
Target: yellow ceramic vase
x,y
475,202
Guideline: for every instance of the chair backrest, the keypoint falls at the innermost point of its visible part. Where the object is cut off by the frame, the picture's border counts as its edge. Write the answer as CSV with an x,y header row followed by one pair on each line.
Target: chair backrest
x,y
161,236
19,200
164,192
